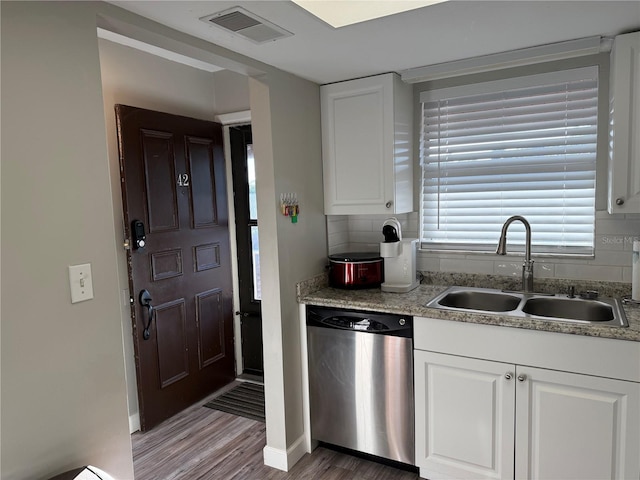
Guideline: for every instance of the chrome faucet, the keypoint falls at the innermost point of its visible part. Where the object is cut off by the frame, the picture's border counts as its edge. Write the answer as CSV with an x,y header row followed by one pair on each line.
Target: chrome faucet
x,y
527,266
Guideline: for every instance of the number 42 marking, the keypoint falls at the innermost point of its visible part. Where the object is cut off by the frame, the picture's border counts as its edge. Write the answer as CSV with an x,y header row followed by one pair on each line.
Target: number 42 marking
x,y
183,180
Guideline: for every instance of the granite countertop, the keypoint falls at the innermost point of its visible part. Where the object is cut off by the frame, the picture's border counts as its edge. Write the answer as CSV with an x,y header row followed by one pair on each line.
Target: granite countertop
x,y
414,303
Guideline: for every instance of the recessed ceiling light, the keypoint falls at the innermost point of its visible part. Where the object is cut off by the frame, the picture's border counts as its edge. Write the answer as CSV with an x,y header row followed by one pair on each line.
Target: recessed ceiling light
x,y
339,13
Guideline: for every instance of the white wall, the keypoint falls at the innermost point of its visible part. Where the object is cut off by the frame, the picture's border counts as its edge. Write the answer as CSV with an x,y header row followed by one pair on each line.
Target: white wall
x,y
302,246
231,92
286,117
139,79
612,261
363,233
63,384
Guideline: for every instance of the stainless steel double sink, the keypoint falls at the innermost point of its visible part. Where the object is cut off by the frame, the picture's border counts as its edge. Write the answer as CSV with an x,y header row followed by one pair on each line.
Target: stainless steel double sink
x,y
558,307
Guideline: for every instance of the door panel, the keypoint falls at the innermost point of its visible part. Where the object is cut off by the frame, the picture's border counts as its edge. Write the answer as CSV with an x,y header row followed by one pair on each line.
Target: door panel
x,y
159,171
166,264
173,179
207,256
202,178
172,342
210,320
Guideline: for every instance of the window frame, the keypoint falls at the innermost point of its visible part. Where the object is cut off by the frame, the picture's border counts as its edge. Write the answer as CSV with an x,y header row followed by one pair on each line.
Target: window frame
x,y
520,77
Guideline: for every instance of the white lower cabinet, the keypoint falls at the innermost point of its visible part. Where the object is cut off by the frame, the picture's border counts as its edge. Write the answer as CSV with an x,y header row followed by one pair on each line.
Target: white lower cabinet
x,y
464,417
481,419
571,426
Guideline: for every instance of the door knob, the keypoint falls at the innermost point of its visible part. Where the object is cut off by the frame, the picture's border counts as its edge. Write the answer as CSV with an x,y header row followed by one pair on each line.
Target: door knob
x,y
145,301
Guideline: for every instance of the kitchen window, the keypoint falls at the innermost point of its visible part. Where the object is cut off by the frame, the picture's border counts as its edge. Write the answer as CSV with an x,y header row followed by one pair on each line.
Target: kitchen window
x,y
521,146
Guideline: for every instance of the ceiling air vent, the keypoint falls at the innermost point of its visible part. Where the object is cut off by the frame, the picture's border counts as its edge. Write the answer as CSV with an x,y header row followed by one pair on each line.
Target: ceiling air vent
x,y
247,24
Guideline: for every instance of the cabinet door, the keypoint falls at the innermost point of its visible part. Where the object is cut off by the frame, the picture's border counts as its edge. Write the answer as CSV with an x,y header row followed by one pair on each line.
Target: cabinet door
x,y
464,417
624,141
571,426
357,143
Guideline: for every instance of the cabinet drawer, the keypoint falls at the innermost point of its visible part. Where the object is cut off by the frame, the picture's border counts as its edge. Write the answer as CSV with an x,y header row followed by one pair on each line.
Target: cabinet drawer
x,y
603,357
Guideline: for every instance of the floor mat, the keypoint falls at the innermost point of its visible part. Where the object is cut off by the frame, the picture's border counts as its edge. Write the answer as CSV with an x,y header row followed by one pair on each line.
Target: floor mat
x,y
245,400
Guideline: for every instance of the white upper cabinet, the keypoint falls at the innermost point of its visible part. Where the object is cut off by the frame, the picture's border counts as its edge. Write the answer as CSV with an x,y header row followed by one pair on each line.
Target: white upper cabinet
x,y
624,125
367,148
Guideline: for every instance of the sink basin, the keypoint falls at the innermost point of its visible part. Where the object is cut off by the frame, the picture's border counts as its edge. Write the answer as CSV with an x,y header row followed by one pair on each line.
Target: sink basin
x,y
603,311
573,309
476,300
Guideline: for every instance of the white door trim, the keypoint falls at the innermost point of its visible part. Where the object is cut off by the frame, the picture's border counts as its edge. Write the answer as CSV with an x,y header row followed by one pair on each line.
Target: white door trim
x,y
235,118
227,120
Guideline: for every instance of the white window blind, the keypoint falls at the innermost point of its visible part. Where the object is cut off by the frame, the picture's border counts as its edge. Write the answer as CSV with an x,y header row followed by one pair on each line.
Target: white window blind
x,y
523,146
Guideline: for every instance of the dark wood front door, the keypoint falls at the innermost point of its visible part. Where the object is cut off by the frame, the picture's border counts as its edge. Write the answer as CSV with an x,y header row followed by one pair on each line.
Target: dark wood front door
x,y
174,192
246,211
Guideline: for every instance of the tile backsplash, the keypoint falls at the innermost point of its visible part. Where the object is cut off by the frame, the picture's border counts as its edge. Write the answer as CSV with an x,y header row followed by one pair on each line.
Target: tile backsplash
x,y
612,262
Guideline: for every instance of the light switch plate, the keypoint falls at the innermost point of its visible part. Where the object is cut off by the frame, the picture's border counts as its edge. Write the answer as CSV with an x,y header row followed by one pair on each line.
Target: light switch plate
x,y
80,282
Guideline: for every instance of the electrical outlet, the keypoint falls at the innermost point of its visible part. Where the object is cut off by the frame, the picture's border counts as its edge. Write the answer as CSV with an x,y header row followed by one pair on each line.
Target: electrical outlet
x,y
80,282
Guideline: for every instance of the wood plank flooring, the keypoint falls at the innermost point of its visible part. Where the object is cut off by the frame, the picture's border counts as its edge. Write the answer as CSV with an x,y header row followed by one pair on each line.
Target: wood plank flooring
x,y
204,444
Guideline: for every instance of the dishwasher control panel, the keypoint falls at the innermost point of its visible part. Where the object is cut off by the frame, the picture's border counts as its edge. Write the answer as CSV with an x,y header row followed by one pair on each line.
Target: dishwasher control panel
x,y
357,320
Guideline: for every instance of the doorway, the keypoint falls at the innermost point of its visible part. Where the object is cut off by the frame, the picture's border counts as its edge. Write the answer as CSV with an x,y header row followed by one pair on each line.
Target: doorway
x,y
248,253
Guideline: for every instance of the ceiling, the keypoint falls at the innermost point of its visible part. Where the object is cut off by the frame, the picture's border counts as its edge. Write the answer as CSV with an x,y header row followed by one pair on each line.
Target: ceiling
x,y
430,35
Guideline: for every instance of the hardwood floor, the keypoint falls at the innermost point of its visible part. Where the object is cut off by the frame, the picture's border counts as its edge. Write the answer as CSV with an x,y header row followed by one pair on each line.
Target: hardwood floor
x,y
204,444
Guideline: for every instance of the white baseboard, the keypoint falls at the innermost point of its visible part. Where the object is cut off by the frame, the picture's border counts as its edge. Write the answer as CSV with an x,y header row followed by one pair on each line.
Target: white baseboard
x,y
284,460
134,422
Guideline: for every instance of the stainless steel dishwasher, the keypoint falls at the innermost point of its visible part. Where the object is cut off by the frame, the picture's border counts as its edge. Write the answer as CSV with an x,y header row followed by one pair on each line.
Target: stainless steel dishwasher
x,y
361,381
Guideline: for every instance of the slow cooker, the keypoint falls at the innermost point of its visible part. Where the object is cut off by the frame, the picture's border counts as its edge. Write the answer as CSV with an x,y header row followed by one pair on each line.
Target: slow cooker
x,y
356,270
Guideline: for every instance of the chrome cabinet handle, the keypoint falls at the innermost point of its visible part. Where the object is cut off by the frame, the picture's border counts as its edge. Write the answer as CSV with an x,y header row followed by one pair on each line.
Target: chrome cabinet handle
x,y
619,201
508,375
522,378
388,204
